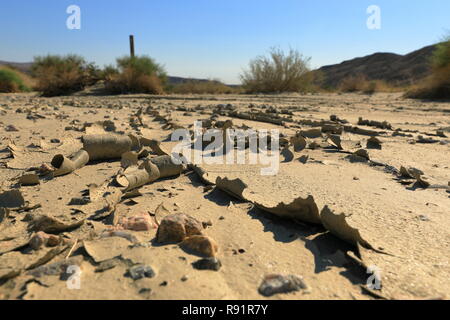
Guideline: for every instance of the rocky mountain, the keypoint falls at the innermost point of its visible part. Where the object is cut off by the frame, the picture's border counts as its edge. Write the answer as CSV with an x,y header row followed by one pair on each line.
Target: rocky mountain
x,y
393,68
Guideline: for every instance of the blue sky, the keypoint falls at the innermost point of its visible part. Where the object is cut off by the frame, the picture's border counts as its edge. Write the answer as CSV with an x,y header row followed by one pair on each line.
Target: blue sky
x,y
217,38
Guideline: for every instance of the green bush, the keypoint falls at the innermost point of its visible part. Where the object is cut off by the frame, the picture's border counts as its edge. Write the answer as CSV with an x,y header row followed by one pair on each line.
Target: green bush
x,y
279,72
135,75
60,75
10,81
441,56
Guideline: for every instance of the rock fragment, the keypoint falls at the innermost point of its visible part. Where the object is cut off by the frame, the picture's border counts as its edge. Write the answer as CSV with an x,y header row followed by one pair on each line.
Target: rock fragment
x,y
12,199
141,222
175,228
42,239
373,143
140,272
287,154
29,179
298,142
207,264
202,245
276,283
311,133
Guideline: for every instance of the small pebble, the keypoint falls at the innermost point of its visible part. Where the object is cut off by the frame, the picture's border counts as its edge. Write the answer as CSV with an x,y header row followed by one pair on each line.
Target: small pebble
x,y
276,283
207,264
141,271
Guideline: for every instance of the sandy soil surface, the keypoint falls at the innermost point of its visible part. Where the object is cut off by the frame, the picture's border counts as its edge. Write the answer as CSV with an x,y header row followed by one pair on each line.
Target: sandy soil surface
x,y
338,207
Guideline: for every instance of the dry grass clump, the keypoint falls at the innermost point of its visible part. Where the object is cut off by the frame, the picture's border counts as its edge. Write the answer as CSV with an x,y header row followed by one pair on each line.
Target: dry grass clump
x,y
60,75
279,72
203,87
135,75
360,83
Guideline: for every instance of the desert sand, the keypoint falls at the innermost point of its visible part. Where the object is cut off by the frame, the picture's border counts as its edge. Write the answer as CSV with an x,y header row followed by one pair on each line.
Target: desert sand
x,y
331,212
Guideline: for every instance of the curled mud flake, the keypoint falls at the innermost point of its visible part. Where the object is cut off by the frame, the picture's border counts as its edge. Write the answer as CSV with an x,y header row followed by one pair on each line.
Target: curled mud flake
x,y
299,209
106,248
332,128
128,159
64,165
235,187
298,142
131,194
48,224
161,211
203,175
337,225
166,166
154,145
287,154
304,158
336,140
135,178
311,133
106,146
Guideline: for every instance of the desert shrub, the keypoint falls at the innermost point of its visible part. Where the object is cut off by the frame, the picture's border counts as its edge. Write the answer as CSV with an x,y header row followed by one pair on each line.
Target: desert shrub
x,y
278,72
60,75
202,86
108,72
135,75
437,85
353,83
360,83
11,81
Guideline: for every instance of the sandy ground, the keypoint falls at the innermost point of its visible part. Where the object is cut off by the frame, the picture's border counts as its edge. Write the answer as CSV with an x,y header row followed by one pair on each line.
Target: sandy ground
x,y
327,219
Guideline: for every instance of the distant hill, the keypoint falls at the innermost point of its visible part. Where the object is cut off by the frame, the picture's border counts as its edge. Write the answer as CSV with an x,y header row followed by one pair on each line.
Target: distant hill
x,y
21,66
393,68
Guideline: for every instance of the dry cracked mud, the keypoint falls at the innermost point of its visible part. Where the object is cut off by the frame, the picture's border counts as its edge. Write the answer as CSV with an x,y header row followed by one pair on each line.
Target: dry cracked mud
x,y
362,185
